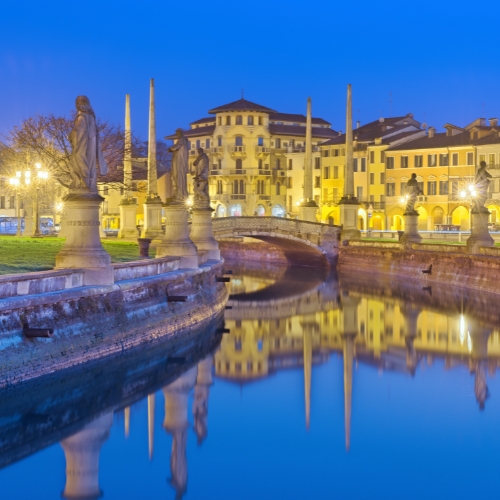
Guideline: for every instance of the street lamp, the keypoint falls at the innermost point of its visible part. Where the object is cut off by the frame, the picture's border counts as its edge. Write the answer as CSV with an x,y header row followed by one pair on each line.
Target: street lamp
x,y
15,182
25,180
41,175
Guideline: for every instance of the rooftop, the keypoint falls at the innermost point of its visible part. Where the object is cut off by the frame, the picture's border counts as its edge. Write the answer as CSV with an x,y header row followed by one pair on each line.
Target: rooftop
x,y
300,131
440,140
290,117
241,105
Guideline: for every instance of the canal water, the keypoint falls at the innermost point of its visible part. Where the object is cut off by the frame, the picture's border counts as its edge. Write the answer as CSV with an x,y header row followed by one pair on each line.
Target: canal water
x,y
315,386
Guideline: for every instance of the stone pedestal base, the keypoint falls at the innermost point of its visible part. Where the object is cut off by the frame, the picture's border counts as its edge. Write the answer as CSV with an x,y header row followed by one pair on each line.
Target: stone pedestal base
x,y
349,219
411,234
176,241
201,233
83,248
308,213
479,235
152,218
128,223
28,226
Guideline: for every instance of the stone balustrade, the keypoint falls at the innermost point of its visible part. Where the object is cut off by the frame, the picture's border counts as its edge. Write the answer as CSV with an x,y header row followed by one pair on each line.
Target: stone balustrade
x,y
15,285
143,268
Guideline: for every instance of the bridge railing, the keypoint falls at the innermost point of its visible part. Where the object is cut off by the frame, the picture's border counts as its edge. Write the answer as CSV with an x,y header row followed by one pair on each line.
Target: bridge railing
x,y
274,224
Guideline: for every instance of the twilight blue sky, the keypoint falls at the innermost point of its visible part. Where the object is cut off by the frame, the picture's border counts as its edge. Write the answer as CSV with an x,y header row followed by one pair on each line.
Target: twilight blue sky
x,y
438,59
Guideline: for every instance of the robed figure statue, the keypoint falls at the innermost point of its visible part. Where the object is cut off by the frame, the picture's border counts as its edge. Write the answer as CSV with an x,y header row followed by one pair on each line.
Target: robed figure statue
x,y
481,183
412,191
179,168
86,158
200,180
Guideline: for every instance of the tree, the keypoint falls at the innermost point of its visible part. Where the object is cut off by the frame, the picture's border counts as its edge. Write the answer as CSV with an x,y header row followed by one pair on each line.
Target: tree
x,y
45,139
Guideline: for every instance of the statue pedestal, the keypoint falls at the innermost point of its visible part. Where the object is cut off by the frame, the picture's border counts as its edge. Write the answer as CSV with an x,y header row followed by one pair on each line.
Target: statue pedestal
x,y
411,234
152,218
308,212
349,219
28,226
176,241
201,233
479,235
128,223
83,248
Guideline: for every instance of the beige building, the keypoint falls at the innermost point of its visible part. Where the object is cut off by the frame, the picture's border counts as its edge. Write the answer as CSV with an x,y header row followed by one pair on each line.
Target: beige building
x,y
257,157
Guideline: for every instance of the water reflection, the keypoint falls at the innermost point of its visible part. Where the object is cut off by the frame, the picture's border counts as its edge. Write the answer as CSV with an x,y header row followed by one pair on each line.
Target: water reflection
x,y
289,321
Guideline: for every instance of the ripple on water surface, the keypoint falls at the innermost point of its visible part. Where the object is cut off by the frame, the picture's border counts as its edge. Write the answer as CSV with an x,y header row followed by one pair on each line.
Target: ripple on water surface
x,y
326,386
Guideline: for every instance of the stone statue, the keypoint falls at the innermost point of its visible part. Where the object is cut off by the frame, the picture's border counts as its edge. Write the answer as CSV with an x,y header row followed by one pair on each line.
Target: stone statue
x,y
179,168
200,178
86,157
412,191
481,183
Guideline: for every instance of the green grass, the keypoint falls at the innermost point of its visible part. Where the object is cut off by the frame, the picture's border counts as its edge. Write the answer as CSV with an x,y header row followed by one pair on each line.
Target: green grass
x,y
24,255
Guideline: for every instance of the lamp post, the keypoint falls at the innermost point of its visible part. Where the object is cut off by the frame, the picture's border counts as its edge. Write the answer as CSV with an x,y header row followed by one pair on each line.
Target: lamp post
x,y
41,175
15,183
25,181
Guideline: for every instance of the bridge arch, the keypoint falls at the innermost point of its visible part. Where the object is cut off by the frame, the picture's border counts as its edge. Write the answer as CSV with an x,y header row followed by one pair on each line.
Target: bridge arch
x,y
303,243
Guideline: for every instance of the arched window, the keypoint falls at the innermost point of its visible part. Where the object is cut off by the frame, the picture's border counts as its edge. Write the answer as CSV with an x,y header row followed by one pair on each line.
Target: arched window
x,y
278,188
278,143
278,163
219,141
219,120
219,187
260,141
239,164
198,143
228,120
261,164
207,143
261,121
250,120
238,140
239,120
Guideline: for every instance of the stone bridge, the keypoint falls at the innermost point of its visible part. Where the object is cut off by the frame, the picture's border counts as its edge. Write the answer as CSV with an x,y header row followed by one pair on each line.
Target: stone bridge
x,y
303,243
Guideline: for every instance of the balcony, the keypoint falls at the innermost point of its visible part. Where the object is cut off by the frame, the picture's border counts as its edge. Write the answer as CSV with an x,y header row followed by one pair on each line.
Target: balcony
x,y
278,151
264,197
218,151
238,171
193,152
262,151
238,151
238,197
375,205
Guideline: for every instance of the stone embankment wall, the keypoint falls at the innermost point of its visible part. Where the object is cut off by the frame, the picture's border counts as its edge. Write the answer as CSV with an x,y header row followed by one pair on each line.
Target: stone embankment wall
x,y
249,249
450,264
100,321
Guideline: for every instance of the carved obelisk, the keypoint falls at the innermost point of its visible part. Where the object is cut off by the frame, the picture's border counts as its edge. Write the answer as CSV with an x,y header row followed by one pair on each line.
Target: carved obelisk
x,y
349,203
128,204
153,205
309,208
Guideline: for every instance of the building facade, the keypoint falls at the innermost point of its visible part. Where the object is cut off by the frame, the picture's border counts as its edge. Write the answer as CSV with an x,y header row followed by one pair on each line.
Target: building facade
x,y
257,157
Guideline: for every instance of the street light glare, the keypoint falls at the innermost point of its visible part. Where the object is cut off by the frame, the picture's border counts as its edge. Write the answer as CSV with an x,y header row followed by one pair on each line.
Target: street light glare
x,y
463,194
14,181
38,165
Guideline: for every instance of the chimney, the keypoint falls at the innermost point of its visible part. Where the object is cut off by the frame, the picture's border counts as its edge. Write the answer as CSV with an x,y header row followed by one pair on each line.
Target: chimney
x,y
430,132
493,122
358,124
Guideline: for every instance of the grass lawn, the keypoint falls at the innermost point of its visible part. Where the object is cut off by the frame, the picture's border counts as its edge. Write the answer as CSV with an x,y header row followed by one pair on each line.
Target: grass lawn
x,y
24,255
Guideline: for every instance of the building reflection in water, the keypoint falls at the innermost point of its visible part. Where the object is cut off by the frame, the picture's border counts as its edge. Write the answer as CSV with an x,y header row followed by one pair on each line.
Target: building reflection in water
x,y
82,451
299,331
